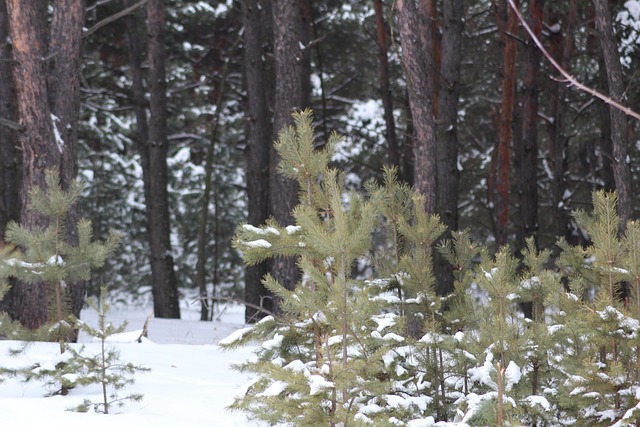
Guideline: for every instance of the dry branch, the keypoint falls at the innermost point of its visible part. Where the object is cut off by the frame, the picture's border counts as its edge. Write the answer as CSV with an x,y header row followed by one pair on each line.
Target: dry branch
x,y
113,17
568,79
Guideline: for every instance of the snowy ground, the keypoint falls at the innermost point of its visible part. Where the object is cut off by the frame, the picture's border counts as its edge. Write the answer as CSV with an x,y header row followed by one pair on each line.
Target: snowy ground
x,y
189,384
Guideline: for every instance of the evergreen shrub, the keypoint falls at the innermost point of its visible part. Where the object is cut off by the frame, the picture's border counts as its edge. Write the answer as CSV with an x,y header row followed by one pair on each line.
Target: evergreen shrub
x,y
381,348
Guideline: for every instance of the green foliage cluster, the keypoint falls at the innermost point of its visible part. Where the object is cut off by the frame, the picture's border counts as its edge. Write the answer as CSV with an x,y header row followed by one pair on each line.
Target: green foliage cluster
x,y
381,348
50,257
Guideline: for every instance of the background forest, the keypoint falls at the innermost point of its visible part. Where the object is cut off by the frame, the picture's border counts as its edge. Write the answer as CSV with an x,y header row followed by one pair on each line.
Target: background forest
x,y
168,110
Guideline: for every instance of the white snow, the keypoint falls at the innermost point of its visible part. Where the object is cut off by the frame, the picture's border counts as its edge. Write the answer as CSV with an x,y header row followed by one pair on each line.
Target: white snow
x,y
292,229
190,382
274,389
540,401
260,243
56,133
262,231
512,375
317,383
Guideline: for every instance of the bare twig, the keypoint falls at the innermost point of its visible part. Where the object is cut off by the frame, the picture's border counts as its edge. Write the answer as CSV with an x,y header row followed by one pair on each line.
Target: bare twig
x,y
113,17
568,79
239,301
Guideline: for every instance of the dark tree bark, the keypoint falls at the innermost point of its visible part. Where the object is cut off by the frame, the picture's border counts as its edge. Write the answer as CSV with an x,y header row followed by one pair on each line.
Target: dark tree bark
x,y
561,46
619,136
500,175
154,152
528,147
448,174
384,79
258,141
418,66
10,161
65,51
289,96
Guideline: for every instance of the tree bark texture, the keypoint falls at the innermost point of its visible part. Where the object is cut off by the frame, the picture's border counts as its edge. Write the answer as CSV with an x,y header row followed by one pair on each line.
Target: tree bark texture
x,y
528,147
500,175
258,141
10,160
65,51
165,284
289,96
384,79
45,91
418,68
448,175
619,136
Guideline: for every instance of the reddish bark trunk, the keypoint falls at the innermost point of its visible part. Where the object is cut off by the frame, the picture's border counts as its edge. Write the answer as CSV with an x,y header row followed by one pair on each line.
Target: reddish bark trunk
x,y
500,180
28,303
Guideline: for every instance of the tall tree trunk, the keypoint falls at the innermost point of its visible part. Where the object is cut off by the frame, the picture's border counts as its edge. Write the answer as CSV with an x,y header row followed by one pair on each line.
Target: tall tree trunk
x,y
500,178
528,147
561,46
165,284
10,162
446,124
289,96
418,67
39,149
258,130
619,136
65,51
385,87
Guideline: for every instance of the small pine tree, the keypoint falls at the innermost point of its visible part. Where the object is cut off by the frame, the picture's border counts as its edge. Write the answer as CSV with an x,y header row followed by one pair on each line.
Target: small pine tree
x,y
104,368
49,260
332,358
601,352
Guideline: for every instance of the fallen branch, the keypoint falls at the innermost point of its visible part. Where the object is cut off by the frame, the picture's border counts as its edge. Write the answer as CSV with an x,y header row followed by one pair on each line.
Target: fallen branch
x,y
568,79
241,302
11,124
145,328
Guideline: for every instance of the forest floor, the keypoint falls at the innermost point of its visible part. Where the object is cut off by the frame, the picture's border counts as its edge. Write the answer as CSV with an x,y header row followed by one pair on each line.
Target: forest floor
x,y
190,382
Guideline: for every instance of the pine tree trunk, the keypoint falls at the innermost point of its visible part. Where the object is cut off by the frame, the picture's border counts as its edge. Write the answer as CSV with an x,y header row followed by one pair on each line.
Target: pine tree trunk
x,y
561,45
619,135
10,161
258,70
500,179
289,96
528,147
65,47
39,149
164,281
418,66
447,120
